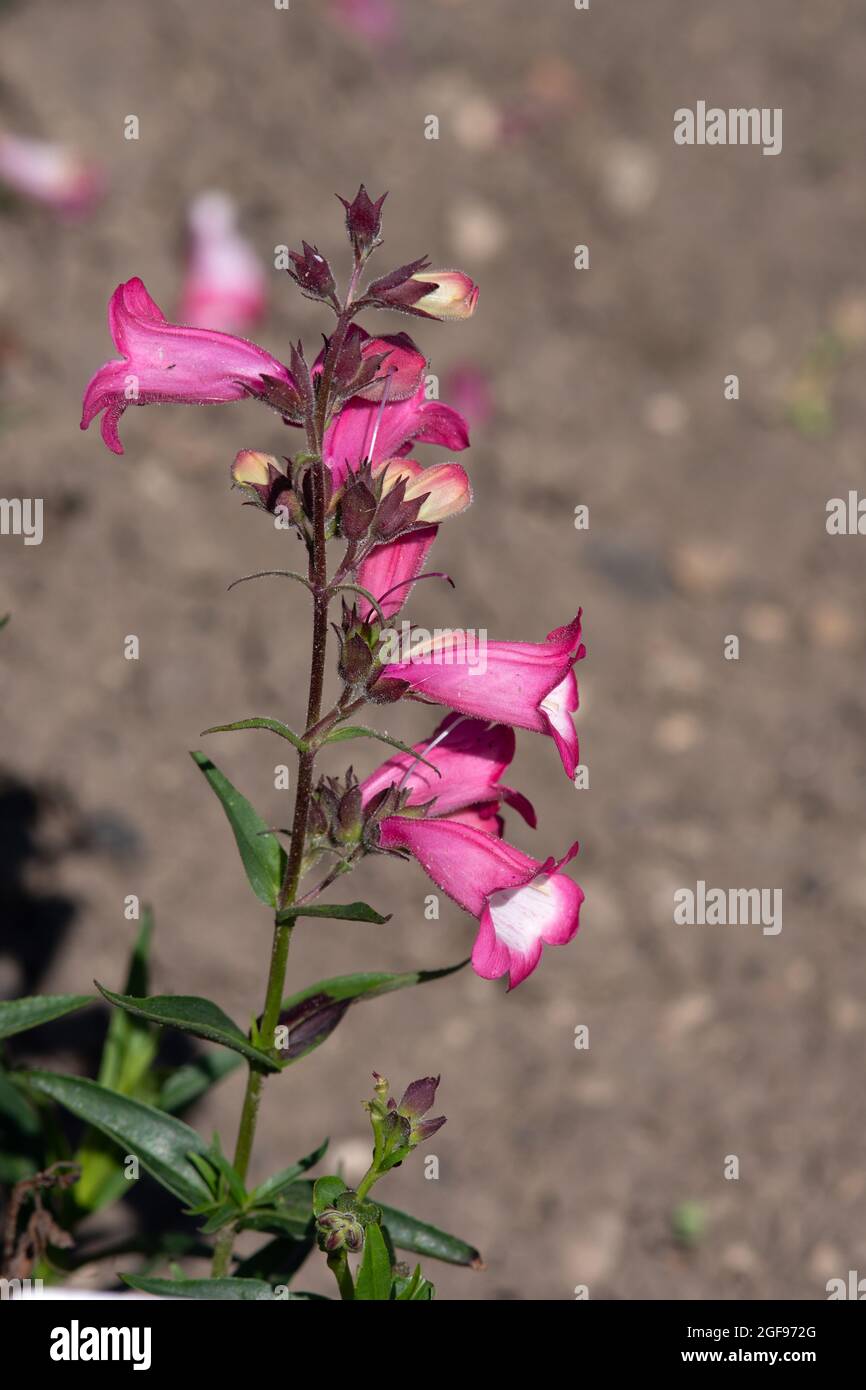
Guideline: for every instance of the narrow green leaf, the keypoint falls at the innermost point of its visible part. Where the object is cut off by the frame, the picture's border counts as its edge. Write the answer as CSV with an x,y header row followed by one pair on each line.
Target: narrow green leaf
x,y
373,1284
313,1014
16,1110
219,1216
126,1065
130,1043
262,854
343,912
408,1233
278,1260
251,1290
17,1015
192,1080
159,1141
275,1184
190,1014
275,725
282,1220
347,731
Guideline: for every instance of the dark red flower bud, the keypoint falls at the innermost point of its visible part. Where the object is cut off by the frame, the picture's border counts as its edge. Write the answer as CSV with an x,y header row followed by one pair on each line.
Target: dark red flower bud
x,y
305,484
426,1129
311,272
363,222
356,660
357,509
386,690
394,514
419,1096
283,396
349,813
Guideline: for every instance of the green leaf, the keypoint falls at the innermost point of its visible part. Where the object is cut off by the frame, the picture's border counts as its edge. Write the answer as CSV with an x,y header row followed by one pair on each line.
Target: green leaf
x,y
260,723
263,856
282,1220
251,1290
277,1261
347,731
189,1014
130,1044
344,912
126,1066
18,1015
326,1190
219,1216
275,1184
407,1233
373,1283
16,1109
159,1141
313,1014
192,1080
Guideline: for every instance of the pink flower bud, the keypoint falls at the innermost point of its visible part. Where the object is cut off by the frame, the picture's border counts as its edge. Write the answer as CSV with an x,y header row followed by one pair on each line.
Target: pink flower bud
x,y
446,485
452,295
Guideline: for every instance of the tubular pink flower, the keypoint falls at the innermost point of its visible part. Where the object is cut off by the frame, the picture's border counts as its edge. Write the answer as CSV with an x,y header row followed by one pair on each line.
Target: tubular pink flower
x,y
364,429
162,361
470,757
49,174
520,902
390,570
224,286
446,485
529,685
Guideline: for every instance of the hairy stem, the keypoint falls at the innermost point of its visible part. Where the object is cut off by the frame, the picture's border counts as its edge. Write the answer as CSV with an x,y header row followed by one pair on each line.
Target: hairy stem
x,y
316,424
318,579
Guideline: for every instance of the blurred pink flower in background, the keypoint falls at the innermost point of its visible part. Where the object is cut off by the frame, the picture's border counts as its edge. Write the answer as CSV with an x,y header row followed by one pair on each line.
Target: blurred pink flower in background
x,y
469,391
377,21
225,279
49,174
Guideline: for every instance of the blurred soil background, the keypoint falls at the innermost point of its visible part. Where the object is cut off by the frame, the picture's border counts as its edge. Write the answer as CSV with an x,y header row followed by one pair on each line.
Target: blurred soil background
x,y
602,1167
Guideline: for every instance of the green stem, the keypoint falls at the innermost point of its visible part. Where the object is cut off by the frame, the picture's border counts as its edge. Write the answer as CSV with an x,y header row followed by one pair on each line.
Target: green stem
x,y
372,1175
338,1263
255,1079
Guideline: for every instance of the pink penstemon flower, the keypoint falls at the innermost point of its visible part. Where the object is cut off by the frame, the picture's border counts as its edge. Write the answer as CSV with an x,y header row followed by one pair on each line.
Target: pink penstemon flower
x,y
224,283
50,174
521,903
455,772
346,473
390,570
529,685
162,361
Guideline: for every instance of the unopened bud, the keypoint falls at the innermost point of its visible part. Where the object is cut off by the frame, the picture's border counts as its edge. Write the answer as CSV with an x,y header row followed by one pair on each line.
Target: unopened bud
x,y
363,222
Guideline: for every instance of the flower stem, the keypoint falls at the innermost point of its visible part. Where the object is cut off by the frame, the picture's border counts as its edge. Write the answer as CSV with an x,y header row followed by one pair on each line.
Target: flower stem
x,y
318,583
338,1263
